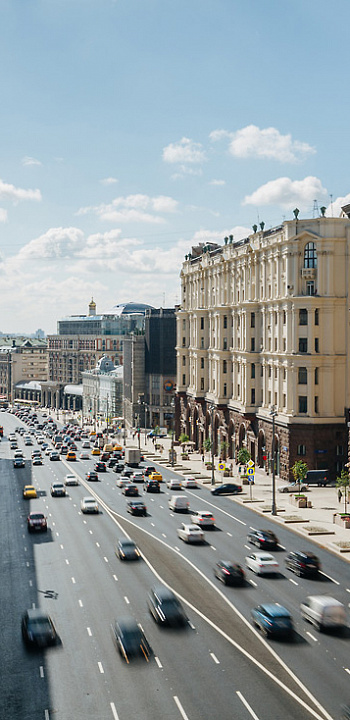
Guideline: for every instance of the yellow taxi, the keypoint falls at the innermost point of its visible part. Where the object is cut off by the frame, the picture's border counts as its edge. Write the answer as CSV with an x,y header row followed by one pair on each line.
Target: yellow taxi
x,y
95,451
156,476
92,433
71,455
117,448
29,492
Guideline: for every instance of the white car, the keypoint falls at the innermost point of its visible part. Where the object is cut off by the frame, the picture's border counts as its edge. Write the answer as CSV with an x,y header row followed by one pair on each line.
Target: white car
x,y
191,533
174,484
293,488
71,479
137,477
262,563
190,482
202,518
89,505
18,454
84,455
123,480
48,451
85,444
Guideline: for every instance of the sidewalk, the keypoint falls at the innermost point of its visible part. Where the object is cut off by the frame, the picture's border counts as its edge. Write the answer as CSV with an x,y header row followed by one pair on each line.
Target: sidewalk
x,y
315,523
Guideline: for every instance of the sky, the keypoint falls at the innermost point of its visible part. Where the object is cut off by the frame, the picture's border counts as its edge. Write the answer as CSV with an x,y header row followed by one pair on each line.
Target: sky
x,y
131,130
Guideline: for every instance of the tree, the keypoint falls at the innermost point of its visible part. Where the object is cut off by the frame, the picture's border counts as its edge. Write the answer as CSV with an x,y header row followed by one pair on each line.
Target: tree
x,y
243,456
223,448
183,438
207,445
299,471
343,482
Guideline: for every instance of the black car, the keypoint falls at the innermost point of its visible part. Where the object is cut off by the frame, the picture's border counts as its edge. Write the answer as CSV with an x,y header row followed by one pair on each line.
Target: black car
x,y
118,467
152,486
112,462
38,629
136,507
19,463
273,619
229,573
127,550
165,608
303,563
149,470
130,490
226,489
264,539
128,471
130,639
92,476
100,467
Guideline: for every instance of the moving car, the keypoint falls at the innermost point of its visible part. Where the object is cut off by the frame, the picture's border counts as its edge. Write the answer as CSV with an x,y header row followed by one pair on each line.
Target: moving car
x,y
263,539
152,486
19,463
85,444
95,451
303,563
262,563
226,489
156,476
54,455
165,607
203,518
149,470
324,612
71,455
38,629
190,533
136,507
190,483
57,489
293,487
18,454
126,549
179,503
89,505
118,467
100,467
173,484
84,455
130,639
122,481
130,490
92,476
37,460
229,573
29,492
36,522
71,480
137,477
273,619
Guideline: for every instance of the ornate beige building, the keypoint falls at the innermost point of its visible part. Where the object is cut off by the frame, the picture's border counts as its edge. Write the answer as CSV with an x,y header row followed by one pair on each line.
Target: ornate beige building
x,y
264,324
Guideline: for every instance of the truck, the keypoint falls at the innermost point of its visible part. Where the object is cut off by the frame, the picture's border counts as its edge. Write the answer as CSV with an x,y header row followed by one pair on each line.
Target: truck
x,y
132,456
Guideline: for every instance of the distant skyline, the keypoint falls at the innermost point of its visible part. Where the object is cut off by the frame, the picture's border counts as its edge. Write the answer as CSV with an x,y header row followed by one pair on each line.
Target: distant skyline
x,y
133,129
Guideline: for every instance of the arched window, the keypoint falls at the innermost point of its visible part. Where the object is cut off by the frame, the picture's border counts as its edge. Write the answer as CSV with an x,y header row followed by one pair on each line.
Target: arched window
x,y
310,255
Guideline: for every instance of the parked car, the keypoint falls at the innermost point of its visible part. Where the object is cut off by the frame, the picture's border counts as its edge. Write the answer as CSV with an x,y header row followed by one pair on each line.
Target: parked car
x,y
303,563
263,539
191,533
229,573
130,639
203,518
36,522
165,607
293,488
89,505
38,629
226,489
136,507
126,549
262,563
273,620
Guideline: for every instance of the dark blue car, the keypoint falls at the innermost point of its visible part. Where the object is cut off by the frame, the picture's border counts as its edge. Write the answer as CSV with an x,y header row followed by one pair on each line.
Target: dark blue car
x,y
273,620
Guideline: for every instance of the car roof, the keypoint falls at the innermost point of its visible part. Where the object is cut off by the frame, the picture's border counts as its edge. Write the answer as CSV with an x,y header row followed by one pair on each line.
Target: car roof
x,y
36,614
275,610
163,592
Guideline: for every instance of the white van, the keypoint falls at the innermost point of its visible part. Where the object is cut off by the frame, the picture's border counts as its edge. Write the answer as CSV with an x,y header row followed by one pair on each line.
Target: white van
x,y
324,612
179,503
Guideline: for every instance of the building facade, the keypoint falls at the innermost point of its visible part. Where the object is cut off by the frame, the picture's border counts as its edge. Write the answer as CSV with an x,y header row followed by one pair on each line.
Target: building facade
x,y
263,330
103,391
23,365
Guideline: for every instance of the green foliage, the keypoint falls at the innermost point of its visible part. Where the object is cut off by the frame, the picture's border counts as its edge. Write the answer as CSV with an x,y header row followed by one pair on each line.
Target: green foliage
x,y
343,482
207,445
184,438
299,471
243,456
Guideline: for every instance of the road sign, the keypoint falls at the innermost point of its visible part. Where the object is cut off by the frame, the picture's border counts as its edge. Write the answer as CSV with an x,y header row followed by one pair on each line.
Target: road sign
x,y
251,474
250,464
221,466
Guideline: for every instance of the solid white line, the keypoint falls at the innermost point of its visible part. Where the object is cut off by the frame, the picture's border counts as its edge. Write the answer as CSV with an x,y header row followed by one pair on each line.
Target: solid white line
x,y
246,704
311,636
100,667
89,631
126,600
330,578
182,712
158,662
215,658
293,581
114,712
41,671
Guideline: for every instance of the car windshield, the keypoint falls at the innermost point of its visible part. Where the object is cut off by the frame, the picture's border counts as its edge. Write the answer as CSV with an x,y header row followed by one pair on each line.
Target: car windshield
x,y
39,625
266,558
36,516
128,545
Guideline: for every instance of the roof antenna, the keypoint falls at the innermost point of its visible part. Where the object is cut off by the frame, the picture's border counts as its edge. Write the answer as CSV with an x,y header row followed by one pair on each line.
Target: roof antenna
x,y
315,212
331,197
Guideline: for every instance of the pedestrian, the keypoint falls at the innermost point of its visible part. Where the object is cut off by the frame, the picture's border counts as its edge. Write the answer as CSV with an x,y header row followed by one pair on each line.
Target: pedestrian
x,y
340,495
203,458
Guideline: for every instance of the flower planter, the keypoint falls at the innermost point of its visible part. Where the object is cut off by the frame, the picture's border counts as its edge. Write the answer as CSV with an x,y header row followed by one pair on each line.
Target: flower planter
x,y
342,519
208,466
299,500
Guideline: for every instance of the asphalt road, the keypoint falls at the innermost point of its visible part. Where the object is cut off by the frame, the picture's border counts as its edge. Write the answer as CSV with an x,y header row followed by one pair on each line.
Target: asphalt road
x,y
219,665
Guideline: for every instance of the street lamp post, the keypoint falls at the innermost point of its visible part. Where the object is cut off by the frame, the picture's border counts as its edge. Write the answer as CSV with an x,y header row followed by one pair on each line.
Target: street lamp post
x,y
212,409
173,433
273,413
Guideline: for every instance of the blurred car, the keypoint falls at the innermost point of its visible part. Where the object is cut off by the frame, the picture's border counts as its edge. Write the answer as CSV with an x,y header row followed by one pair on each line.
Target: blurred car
x,y
48,450
137,477
173,484
36,522
37,460
128,471
203,518
38,629
190,533
293,488
105,456
136,507
71,480
130,490
18,454
118,467
190,483
130,639
28,441
92,476
156,476
112,462
57,489
95,451
100,467
29,492
84,455
229,573
165,607
263,539
54,455
303,563
226,489
36,453
19,463
273,619
89,505
262,563
13,445
122,481
126,549
149,470
64,449
71,455
152,486
85,444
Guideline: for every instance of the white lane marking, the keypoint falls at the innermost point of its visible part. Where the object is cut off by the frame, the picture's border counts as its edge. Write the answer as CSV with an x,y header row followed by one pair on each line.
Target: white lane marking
x,y
67,562
73,580
229,534
114,711
281,546
347,670
213,548
30,583
330,578
115,578
27,564
311,636
41,669
84,521
177,549
247,547
61,546
100,667
126,600
57,534
25,549
347,589
90,531
105,558
182,712
47,716
246,704
293,581
97,544
158,662
163,535
89,631
192,626
81,603
161,507
215,658
152,523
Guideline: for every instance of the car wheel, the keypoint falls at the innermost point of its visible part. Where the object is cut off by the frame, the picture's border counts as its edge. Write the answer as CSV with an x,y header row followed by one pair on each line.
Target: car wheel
x,y
264,632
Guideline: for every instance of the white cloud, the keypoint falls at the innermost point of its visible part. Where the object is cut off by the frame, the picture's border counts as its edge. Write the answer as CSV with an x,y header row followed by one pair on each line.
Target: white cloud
x,y
133,208
27,161
288,193
55,243
109,181
10,192
203,236
217,183
334,208
3,215
184,151
268,144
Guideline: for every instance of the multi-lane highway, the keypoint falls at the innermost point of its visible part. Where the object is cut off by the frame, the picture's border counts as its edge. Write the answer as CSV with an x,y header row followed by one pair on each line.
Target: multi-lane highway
x,y
218,666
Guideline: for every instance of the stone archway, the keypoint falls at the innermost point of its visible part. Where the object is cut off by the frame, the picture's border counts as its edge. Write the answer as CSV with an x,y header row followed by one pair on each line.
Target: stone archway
x,y
231,440
241,436
277,455
261,449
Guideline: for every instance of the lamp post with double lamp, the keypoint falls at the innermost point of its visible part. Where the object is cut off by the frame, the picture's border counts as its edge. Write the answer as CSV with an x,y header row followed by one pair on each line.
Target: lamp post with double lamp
x,y
273,413
212,410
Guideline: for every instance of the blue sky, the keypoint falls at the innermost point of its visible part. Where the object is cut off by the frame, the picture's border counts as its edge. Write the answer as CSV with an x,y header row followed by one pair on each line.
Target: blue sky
x,y
132,129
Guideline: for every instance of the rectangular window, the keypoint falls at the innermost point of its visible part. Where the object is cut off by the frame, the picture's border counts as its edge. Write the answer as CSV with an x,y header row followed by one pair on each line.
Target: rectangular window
x,y
303,345
224,367
202,383
225,344
302,376
225,390
284,400
316,404
316,376
225,321
252,320
276,373
184,359
184,324
302,404
316,316
253,396
310,288
252,370
183,342
284,317
303,316
184,379
276,318
301,450
275,344
202,323
252,344
317,345
262,371
202,363
202,343
269,370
